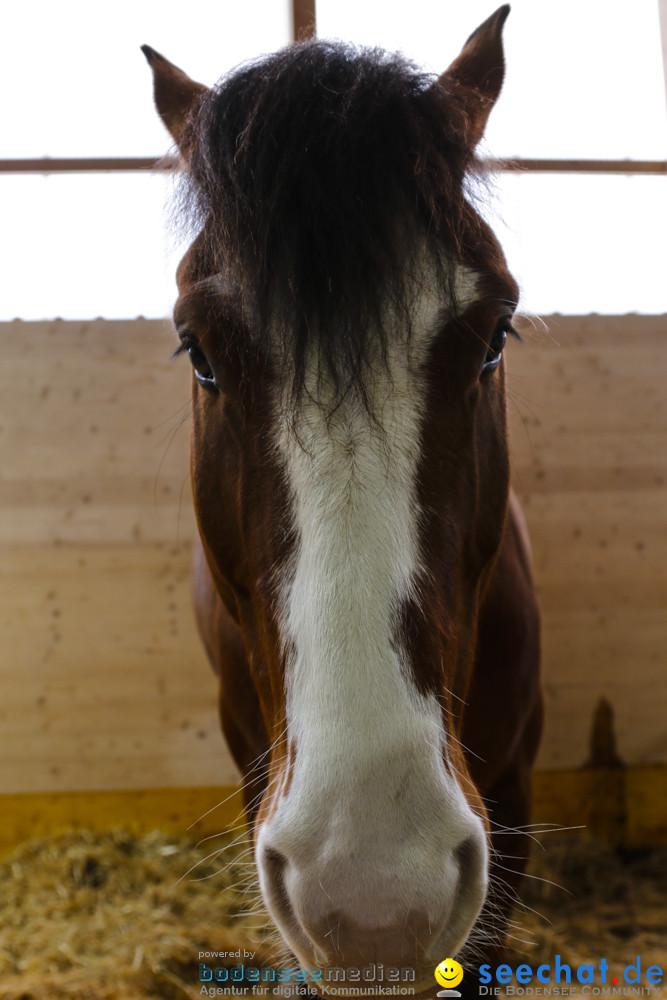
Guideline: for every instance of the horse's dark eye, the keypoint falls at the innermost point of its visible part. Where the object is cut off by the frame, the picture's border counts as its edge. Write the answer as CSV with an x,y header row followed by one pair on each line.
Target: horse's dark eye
x,y
495,351
203,370
200,363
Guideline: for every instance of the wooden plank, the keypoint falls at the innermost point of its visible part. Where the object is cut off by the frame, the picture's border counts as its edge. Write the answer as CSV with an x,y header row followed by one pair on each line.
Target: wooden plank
x,y
105,683
639,719
95,421
626,807
85,164
634,817
573,166
646,810
303,27
201,812
588,417
304,22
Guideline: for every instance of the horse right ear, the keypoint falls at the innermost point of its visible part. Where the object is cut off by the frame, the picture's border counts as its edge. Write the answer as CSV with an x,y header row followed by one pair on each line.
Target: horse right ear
x,y
177,97
478,72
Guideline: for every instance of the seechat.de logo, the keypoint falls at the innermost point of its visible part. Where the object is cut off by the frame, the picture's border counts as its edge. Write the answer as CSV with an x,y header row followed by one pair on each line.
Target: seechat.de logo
x,y
449,974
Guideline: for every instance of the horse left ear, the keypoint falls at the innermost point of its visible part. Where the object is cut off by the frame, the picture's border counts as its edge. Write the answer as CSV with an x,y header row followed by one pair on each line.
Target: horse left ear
x,y
177,97
480,69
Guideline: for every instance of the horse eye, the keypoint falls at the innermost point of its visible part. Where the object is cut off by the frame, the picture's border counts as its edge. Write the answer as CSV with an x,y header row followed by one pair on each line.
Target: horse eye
x,y
200,363
495,351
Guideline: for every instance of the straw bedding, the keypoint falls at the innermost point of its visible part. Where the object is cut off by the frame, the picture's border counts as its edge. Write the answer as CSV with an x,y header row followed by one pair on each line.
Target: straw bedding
x,y
585,901
117,916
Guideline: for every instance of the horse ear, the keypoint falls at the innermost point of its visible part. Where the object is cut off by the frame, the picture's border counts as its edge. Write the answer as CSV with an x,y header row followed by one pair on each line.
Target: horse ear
x,y
480,69
177,97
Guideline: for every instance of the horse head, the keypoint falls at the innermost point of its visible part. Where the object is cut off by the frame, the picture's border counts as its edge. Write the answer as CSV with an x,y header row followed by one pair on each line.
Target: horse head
x,y
345,309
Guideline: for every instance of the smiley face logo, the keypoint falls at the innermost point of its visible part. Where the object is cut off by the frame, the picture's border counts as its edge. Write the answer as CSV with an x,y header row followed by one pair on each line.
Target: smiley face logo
x,y
449,973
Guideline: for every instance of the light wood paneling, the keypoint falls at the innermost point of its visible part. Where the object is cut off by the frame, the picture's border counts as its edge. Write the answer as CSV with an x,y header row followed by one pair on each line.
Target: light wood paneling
x,y
104,684
94,434
104,681
588,415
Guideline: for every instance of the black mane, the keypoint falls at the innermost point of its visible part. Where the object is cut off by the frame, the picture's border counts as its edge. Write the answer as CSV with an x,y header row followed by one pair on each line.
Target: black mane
x,y
317,174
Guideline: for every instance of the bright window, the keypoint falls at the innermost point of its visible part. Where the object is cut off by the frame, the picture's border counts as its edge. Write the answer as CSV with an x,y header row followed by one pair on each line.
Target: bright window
x,y
584,80
584,77
76,83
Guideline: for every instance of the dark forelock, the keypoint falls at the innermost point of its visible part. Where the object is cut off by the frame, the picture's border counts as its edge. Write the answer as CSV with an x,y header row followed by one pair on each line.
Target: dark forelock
x,y
316,173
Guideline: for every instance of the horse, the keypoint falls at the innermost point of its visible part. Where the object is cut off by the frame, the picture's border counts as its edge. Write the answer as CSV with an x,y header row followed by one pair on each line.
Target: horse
x,y
362,580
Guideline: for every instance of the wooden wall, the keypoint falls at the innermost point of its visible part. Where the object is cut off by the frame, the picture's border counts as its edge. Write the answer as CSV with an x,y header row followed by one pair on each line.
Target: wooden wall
x,y
588,415
104,684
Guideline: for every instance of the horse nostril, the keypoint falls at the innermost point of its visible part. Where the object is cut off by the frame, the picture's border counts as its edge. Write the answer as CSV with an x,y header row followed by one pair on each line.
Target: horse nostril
x,y
468,856
275,860
274,864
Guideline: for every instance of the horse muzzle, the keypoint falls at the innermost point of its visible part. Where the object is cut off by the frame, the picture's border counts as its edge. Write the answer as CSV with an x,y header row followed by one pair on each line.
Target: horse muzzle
x,y
401,894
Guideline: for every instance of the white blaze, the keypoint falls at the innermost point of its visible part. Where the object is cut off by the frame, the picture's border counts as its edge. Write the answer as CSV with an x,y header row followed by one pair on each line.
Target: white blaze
x,y
369,747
